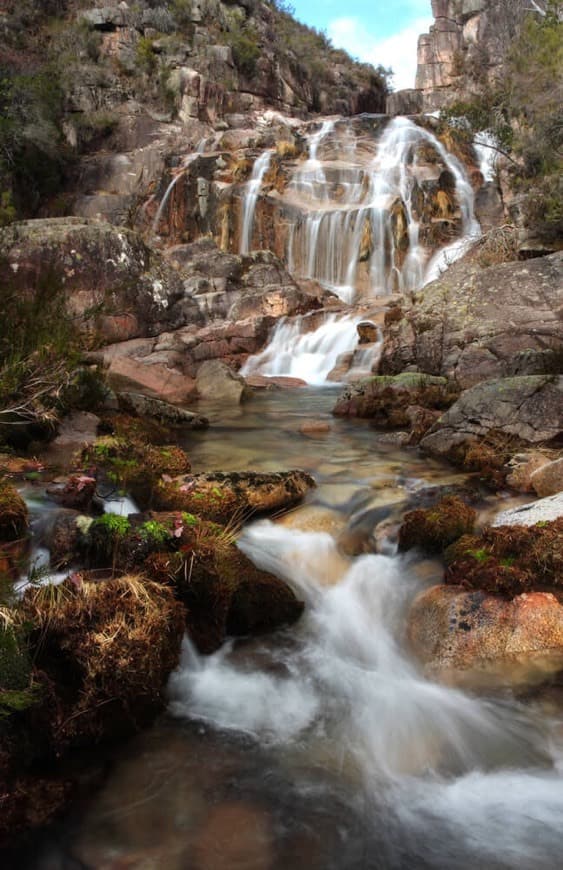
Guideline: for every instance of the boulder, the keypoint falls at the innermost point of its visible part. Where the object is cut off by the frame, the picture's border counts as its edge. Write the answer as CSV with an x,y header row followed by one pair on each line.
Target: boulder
x,y
112,282
434,529
548,479
222,495
470,323
76,492
540,511
523,466
217,382
147,406
225,593
470,637
127,374
107,649
525,410
386,399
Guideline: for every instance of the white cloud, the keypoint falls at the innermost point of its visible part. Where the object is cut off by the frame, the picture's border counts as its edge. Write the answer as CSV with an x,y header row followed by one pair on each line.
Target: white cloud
x,y
397,51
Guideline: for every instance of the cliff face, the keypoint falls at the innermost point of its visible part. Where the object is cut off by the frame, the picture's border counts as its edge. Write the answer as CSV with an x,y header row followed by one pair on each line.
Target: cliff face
x,y
464,49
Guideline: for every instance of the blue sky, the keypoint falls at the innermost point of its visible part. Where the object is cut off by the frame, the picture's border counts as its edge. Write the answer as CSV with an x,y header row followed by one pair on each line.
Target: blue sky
x,y
379,31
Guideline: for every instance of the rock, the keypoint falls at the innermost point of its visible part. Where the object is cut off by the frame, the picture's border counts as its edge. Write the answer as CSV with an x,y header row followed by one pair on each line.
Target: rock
x,y
76,493
221,495
508,559
436,528
147,406
548,479
158,381
63,535
120,639
529,409
78,428
471,637
542,511
14,516
217,382
463,329
225,593
524,465
367,332
386,400
113,283
314,428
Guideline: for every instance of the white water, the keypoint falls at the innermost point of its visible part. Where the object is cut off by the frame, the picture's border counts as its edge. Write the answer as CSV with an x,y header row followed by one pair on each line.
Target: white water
x,y
460,776
486,147
250,199
188,159
311,356
349,202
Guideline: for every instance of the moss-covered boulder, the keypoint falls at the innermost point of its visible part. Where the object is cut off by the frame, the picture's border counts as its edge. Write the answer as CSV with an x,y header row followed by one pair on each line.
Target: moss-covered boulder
x,y
508,560
14,515
106,649
387,400
434,529
134,464
221,496
224,592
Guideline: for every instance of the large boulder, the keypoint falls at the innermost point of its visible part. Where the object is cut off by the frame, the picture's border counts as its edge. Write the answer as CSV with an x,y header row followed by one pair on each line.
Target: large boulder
x,y
387,399
520,410
112,282
471,637
222,495
218,383
548,480
471,323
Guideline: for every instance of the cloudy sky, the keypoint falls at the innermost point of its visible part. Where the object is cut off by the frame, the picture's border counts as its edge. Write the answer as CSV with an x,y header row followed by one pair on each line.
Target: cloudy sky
x,y
379,31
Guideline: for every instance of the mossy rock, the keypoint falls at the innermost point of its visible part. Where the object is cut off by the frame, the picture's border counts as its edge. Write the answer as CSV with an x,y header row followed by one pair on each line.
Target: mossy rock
x,y
435,528
508,560
385,399
224,592
14,516
107,649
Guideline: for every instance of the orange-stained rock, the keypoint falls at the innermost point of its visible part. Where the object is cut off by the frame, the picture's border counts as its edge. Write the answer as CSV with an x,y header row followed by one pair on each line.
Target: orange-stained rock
x,y
471,637
314,427
548,479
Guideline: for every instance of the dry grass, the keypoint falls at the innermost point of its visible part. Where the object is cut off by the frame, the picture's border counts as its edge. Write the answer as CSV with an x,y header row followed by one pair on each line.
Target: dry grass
x,y
500,245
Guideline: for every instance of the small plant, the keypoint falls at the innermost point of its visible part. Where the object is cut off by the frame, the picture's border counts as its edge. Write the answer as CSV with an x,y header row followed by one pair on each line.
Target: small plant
x,y
154,533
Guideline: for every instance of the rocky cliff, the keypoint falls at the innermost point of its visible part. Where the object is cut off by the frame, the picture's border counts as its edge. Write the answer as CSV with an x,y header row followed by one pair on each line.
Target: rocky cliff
x,y
464,50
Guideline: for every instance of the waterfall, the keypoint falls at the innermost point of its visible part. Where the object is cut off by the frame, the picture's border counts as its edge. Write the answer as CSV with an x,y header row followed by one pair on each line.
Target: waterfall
x,y
361,203
250,199
312,355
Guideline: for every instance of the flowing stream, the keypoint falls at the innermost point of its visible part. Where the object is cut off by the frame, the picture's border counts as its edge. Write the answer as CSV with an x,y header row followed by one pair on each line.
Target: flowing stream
x,y
324,746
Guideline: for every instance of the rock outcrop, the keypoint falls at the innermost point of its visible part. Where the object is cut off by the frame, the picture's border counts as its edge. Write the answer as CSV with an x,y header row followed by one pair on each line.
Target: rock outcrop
x,y
475,323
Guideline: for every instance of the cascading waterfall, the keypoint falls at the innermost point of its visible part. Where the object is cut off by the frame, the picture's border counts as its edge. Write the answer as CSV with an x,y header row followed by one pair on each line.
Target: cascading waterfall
x,y
356,208
250,199
355,203
188,159
311,356
452,778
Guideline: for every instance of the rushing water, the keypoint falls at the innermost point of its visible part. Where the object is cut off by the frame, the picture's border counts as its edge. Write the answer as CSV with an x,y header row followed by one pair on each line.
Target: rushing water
x,y
324,746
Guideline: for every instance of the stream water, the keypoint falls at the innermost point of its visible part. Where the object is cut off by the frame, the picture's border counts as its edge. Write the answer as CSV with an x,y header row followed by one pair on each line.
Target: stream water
x,y
324,746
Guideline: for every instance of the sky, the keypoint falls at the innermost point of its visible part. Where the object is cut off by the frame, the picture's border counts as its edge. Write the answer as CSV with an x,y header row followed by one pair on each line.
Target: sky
x,y
378,31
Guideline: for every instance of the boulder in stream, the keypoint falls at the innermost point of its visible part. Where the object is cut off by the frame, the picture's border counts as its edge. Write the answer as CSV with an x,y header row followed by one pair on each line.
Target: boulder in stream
x,y
387,399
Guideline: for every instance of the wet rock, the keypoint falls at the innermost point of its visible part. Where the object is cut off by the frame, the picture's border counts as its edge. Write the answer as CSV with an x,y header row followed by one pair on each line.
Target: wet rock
x,y
76,493
235,835
217,382
386,400
107,649
540,511
436,528
471,637
367,332
147,406
314,428
528,410
78,428
14,517
460,328
508,559
221,495
548,479
523,466
224,592
157,380
63,536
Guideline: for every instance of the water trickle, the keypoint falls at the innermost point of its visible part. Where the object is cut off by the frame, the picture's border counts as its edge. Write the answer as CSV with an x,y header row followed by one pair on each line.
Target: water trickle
x,y
250,199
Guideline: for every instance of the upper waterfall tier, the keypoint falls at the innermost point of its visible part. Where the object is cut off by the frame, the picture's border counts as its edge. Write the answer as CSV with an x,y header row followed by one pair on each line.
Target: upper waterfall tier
x,y
369,207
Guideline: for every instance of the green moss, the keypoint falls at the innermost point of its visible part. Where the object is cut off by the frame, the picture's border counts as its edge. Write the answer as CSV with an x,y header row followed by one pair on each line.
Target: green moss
x,y
154,533
117,526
